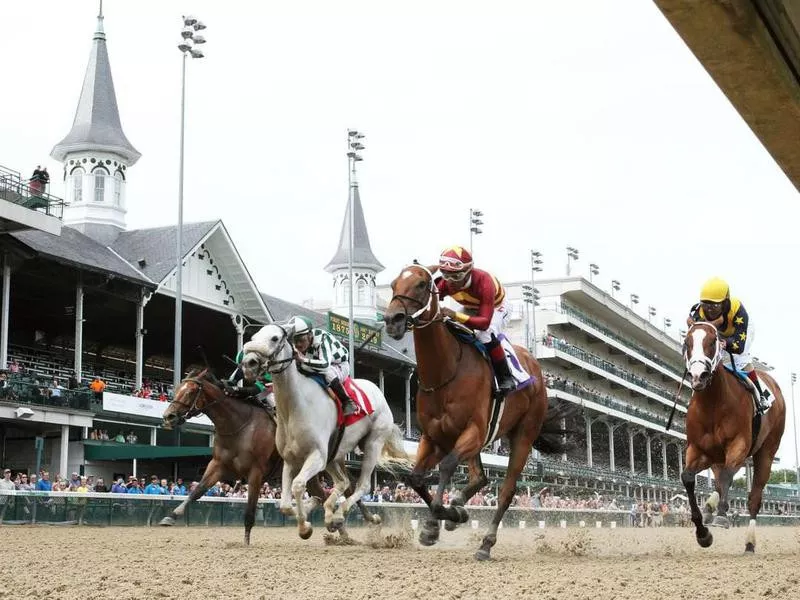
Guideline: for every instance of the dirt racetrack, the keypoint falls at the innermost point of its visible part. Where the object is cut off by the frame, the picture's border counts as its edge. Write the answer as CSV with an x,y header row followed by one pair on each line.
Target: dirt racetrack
x,y
180,563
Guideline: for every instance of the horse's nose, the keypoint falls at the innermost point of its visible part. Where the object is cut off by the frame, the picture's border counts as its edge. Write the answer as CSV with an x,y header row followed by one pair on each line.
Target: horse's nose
x,y
395,324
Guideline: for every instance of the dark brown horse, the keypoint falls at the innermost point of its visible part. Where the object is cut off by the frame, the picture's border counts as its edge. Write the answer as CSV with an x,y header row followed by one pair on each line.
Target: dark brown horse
x,y
244,444
454,405
719,432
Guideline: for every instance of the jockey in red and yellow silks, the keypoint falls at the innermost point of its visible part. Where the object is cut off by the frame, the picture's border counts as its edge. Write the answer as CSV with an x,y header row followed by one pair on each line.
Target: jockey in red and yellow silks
x,y
483,300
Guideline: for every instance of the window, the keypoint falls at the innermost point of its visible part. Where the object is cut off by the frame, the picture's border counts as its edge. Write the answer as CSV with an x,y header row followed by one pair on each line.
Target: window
x,y
117,189
362,290
100,185
77,185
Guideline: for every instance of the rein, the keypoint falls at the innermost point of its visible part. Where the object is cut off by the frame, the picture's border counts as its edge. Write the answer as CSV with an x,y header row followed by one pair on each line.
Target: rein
x,y
194,410
675,401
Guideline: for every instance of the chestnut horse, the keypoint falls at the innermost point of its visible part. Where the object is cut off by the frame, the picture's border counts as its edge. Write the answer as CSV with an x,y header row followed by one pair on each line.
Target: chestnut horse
x,y
244,444
453,405
719,432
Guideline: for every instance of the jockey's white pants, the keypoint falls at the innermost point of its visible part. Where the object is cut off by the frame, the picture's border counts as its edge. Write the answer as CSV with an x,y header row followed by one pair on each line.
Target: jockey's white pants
x,y
740,361
496,327
339,371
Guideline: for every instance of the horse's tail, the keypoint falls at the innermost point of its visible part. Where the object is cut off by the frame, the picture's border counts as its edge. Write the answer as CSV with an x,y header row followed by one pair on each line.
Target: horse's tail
x,y
553,436
394,457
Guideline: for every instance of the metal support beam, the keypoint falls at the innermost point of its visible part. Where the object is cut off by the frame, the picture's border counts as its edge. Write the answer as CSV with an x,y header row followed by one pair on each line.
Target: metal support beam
x,y
631,435
588,422
238,325
64,455
664,456
6,307
649,455
611,428
381,381
140,340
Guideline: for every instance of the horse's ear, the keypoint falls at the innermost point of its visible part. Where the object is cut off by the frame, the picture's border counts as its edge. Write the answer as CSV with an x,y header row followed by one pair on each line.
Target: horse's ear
x,y
415,261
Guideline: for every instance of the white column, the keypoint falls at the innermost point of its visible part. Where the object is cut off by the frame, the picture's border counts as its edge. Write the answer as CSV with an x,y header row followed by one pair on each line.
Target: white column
x,y
588,421
381,381
409,375
664,455
135,467
62,463
564,437
649,457
78,362
153,436
680,458
630,451
140,341
210,440
238,325
611,461
6,306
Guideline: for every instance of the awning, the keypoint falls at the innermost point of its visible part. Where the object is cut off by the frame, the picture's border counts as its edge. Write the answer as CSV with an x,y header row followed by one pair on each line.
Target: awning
x,y
93,450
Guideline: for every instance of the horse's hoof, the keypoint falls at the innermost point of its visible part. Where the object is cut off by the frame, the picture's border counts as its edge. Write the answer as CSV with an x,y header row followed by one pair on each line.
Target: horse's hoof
x,y
331,527
451,525
749,548
482,555
287,511
705,540
167,522
707,518
306,532
427,540
720,521
463,516
376,520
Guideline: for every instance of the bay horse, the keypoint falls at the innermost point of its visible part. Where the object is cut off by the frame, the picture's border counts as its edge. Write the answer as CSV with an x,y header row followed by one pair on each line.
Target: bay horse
x,y
454,404
244,444
720,435
308,436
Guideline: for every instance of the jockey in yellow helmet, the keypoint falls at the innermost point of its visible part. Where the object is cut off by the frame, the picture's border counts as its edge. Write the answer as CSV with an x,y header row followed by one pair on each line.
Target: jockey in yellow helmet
x,y
733,323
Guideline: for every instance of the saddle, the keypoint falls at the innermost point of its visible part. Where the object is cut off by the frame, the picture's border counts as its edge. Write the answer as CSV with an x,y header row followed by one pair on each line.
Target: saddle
x,y
360,400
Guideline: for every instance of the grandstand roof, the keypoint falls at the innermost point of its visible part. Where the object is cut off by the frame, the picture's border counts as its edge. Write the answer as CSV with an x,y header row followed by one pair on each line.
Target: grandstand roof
x,y
97,125
72,248
362,251
156,246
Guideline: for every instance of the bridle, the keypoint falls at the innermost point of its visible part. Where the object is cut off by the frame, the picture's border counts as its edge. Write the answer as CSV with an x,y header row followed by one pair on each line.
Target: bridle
x,y
269,363
195,410
413,320
709,363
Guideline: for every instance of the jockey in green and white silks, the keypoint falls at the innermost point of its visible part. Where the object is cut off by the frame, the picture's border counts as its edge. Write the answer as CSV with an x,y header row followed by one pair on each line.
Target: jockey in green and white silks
x,y
318,352
260,389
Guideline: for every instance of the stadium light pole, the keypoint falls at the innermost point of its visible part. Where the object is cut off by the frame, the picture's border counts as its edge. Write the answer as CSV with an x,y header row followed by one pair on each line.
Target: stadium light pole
x,y
594,269
794,423
634,300
474,225
651,312
667,323
572,254
615,287
187,47
354,146
536,267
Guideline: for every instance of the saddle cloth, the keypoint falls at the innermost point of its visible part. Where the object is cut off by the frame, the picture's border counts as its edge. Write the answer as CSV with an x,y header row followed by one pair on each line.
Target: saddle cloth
x,y
357,395
466,335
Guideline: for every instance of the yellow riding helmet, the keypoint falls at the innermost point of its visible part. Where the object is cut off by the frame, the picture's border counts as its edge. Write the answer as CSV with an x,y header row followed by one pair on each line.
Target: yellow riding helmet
x,y
715,290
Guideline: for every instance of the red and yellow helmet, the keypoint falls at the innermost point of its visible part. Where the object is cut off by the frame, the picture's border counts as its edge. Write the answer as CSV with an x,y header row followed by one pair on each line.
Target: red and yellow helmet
x,y
455,262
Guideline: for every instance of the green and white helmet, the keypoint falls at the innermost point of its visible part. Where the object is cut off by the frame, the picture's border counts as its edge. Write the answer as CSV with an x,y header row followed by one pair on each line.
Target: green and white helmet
x,y
301,325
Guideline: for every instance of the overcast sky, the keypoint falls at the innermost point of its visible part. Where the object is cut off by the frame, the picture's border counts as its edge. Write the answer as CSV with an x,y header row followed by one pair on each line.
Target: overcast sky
x,y
576,123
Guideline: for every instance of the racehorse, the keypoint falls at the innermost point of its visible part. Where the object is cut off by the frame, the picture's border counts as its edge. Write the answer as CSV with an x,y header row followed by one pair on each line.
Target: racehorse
x,y
720,432
454,405
244,443
309,437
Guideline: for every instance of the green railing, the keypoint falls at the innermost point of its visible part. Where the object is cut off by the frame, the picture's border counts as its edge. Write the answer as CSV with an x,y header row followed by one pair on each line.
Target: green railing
x,y
26,391
119,510
28,194
570,310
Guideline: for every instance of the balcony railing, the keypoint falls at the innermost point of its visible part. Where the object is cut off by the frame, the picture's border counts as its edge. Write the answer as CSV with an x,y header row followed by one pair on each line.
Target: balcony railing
x,y
29,194
22,391
570,310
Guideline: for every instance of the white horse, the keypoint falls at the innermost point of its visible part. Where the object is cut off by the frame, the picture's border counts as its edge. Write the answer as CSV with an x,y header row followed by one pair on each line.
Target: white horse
x,y
307,428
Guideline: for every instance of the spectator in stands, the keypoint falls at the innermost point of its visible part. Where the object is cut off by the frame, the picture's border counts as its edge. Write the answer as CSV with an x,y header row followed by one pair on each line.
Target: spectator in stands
x,y
120,439
5,482
24,485
154,488
74,481
44,485
119,487
132,439
72,382
100,486
134,487
14,366
36,182
83,487
97,386
180,488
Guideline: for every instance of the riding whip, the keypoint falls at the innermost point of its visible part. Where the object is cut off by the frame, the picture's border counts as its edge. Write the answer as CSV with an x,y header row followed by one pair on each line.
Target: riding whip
x,y
675,402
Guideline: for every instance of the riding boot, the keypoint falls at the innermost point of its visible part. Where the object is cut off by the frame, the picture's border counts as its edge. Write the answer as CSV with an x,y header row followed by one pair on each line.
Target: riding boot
x,y
763,403
505,382
348,408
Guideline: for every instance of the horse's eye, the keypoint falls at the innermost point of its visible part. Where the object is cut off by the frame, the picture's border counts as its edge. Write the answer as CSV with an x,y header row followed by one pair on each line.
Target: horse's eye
x,y
251,362
421,285
274,338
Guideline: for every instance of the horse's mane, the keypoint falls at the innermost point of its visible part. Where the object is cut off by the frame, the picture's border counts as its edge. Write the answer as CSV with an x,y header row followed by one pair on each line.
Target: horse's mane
x,y
206,374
